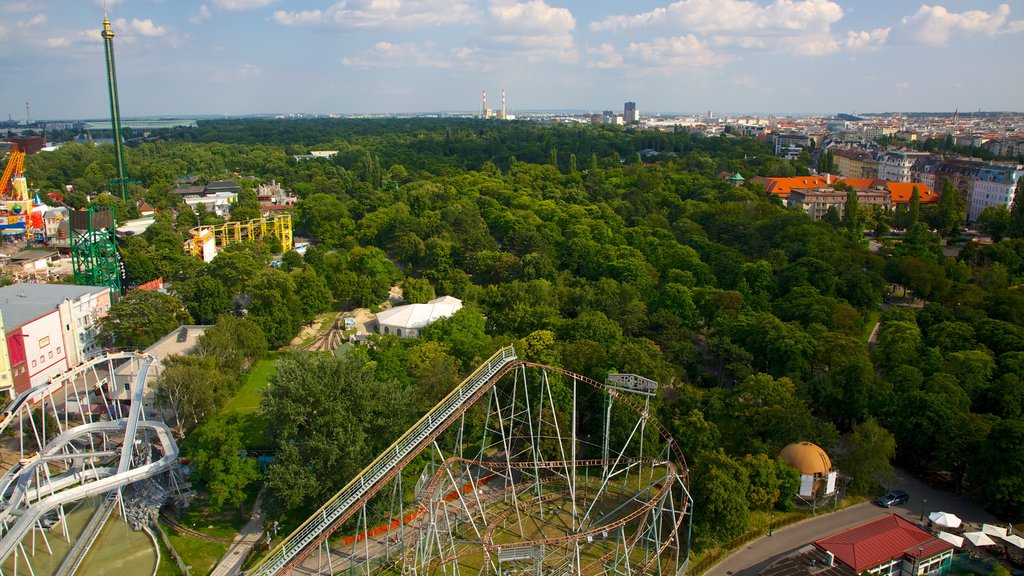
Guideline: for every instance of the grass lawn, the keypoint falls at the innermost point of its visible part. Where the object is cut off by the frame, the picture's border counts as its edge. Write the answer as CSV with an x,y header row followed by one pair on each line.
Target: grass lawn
x,y
246,402
869,324
201,555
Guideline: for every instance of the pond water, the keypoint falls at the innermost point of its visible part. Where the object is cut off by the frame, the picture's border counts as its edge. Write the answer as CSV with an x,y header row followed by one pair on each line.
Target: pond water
x,y
118,549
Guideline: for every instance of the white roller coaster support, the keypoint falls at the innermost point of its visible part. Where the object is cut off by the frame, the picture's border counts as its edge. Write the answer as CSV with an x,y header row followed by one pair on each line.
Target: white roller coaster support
x,y
410,443
26,496
29,517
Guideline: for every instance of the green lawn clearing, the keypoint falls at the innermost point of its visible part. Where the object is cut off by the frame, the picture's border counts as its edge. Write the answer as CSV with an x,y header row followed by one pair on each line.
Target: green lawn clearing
x,y
246,402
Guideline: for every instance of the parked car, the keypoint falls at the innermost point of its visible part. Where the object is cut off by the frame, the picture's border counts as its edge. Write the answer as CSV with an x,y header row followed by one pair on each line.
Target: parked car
x,y
894,498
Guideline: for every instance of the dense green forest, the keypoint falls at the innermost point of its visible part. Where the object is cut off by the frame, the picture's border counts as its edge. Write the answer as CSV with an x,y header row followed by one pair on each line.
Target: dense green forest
x,y
563,240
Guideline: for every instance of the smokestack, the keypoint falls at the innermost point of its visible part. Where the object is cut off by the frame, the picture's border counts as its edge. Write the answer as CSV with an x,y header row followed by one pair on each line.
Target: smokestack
x,y
483,111
828,179
502,103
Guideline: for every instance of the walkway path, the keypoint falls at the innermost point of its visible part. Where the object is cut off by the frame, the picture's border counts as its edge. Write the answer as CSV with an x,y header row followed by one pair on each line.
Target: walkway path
x,y
231,563
751,559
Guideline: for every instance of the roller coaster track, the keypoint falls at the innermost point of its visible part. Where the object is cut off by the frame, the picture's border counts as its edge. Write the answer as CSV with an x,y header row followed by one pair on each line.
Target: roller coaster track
x,y
372,478
28,491
345,503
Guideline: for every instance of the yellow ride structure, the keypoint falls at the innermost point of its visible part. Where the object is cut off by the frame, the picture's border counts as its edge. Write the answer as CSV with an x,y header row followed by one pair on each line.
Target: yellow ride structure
x,y
207,240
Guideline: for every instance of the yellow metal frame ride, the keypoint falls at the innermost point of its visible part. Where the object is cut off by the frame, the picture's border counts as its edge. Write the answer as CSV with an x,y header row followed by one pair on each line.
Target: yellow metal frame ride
x,y
278,226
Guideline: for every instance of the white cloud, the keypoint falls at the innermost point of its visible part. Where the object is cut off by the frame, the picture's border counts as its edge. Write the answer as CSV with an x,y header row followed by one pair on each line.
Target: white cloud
x,y
677,52
392,55
249,70
902,86
531,30
21,7
935,24
604,56
719,16
147,28
799,26
866,40
238,5
391,14
37,20
203,16
745,80
297,18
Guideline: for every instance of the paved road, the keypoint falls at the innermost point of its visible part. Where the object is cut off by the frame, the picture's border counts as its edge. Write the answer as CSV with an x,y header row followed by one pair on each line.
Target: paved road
x,y
251,533
751,559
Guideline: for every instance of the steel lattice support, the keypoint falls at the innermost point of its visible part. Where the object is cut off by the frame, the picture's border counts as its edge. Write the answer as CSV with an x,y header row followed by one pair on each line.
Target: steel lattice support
x,y
83,434
94,256
527,481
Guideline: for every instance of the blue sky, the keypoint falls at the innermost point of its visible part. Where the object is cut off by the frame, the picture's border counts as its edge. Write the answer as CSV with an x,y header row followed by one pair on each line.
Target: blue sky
x,y
182,57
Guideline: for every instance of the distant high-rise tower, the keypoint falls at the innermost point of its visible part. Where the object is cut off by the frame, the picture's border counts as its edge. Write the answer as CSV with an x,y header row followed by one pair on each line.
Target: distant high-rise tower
x,y
115,111
629,114
502,104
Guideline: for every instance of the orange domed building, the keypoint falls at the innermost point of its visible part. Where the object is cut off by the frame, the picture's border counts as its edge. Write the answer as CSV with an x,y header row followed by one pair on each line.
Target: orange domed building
x,y
816,475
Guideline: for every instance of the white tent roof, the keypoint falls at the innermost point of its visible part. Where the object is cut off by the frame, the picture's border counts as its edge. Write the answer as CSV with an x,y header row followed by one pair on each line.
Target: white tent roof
x,y
979,538
1015,540
993,530
412,316
945,519
951,538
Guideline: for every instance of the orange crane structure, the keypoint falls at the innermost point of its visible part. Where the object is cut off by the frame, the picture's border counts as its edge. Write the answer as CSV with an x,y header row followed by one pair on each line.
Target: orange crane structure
x,y
15,204
14,169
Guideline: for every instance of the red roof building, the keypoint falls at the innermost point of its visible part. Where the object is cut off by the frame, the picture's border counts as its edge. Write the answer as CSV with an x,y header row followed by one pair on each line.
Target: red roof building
x,y
889,546
900,192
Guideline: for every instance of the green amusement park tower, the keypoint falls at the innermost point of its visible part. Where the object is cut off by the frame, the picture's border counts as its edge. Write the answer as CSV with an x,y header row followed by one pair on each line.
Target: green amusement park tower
x,y
115,110
94,257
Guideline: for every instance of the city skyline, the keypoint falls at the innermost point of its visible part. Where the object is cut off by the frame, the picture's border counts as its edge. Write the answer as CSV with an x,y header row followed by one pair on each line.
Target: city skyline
x,y
241,57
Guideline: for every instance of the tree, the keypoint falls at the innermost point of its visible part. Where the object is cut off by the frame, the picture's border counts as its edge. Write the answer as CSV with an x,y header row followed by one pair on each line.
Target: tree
x,y
191,387
417,290
313,293
234,343
246,207
434,371
205,296
463,333
274,306
236,265
952,209
720,508
994,221
871,449
1015,225
328,417
764,482
915,206
218,459
141,318
852,218
999,473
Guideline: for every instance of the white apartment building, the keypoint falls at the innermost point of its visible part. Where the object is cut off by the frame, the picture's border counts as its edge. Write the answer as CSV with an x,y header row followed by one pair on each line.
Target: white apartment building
x,y
993,186
894,166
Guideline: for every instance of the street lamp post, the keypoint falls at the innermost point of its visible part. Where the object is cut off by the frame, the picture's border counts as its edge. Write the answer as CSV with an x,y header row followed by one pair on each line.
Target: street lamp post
x,y
923,502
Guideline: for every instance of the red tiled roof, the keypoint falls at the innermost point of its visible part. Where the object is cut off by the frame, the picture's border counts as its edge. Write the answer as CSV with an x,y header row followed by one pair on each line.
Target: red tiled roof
x,y
890,537
783,186
901,192
862,182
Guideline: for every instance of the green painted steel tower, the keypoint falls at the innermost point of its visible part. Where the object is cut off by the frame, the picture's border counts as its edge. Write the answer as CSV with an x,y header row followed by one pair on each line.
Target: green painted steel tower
x,y
94,257
115,111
